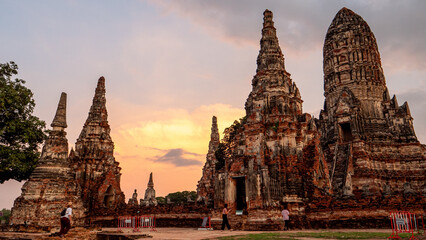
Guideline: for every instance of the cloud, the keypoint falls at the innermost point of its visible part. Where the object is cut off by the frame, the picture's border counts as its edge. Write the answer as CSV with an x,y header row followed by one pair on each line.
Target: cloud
x,y
302,25
233,22
172,143
177,158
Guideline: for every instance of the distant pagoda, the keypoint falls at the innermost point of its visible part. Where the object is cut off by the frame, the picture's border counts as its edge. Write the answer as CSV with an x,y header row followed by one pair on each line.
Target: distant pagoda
x,y
149,198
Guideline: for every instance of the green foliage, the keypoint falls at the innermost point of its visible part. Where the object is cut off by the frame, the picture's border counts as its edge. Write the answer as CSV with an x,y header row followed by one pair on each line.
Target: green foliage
x,y
182,197
21,133
231,132
275,126
260,236
6,215
320,235
223,150
161,200
220,156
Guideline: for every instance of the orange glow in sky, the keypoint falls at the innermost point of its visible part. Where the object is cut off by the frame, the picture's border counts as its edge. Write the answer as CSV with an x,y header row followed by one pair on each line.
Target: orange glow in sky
x,y
171,143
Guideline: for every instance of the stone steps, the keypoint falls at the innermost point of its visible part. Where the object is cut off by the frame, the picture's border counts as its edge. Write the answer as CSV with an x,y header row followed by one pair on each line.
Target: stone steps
x,y
341,166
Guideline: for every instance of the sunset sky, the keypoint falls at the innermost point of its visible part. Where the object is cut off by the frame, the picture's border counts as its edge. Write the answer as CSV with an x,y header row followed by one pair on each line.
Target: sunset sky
x,y
171,65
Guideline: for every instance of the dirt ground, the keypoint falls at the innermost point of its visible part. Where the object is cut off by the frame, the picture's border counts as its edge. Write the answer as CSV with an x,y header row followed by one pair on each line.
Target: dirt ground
x,y
165,233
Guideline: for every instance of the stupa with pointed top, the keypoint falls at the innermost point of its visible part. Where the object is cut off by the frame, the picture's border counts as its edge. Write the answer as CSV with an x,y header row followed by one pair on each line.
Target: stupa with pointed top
x,y
368,139
149,198
93,161
205,187
273,153
51,185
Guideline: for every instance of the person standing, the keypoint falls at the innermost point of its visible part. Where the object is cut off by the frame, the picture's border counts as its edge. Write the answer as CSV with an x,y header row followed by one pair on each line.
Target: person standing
x,y
225,221
66,220
286,217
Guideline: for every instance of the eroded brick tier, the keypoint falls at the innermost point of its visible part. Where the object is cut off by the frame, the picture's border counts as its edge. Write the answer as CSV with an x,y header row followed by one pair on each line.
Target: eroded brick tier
x,y
51,186
93,161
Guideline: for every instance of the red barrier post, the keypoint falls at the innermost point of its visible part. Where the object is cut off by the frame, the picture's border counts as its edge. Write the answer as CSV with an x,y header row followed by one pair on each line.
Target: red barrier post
x,y
403,222
135,223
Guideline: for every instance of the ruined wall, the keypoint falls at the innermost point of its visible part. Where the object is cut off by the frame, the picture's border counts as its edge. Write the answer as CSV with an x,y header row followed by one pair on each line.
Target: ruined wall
x,y
166,215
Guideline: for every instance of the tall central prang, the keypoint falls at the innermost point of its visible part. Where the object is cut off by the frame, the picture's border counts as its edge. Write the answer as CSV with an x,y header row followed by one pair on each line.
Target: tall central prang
x,y
95,167
273,153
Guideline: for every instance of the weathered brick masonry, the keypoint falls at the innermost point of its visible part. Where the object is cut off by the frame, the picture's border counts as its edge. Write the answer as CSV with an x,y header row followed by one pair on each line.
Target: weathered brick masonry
x,y
349,168
93,160
358,161
51,186
89,177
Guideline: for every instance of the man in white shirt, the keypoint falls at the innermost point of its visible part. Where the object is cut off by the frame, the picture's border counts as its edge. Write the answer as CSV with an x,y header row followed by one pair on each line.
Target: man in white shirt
x,y
286,217
66,220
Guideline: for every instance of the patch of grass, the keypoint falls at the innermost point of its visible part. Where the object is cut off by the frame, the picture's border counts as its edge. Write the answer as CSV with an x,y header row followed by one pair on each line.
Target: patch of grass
x,y
322,235
340,235
257,236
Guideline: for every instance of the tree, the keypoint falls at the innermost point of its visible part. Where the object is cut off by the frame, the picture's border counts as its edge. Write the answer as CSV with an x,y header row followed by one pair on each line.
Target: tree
x,y
182,197
21,133
5,215
223,151
220,156
161,200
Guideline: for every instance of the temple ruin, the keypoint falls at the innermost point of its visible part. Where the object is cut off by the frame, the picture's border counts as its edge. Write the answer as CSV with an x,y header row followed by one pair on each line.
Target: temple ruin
x,y
134,200
206,185
358,161
149,198
368,139
361,155
51,186
89,176
273,154
93,160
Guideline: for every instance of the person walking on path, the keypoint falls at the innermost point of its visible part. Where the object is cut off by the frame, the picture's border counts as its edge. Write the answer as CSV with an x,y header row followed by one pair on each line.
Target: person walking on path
x,y
225,221
286,217
66,220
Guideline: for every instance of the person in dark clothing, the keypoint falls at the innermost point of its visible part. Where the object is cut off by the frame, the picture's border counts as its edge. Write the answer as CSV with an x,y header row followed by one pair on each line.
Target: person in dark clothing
x,y
225,221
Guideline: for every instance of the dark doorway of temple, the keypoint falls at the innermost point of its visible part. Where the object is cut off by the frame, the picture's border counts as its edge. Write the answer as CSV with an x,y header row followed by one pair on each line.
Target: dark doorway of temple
x,y
346,132
241,193
109,197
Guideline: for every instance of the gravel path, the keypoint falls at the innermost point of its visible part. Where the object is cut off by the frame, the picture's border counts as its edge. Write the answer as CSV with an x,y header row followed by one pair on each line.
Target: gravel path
x,y
173,233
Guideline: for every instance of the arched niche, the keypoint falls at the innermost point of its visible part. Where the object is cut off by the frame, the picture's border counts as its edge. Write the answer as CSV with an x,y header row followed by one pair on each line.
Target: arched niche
x,y
109,197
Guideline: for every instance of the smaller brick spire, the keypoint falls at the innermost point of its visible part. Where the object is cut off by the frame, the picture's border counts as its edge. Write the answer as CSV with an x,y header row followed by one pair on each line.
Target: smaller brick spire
x,y
98,110
95,140
150,182
60,119
214,136
270,54
267,19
